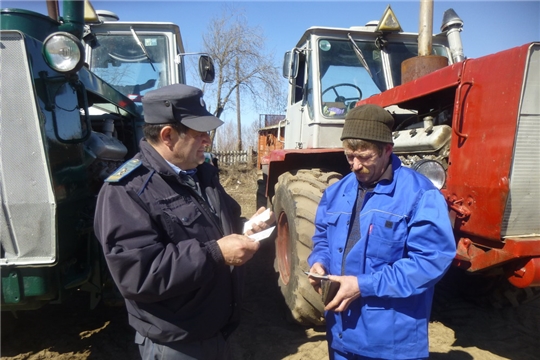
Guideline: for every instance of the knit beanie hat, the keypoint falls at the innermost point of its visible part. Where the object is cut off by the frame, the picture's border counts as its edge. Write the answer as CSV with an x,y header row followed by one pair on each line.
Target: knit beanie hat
x,y
368,122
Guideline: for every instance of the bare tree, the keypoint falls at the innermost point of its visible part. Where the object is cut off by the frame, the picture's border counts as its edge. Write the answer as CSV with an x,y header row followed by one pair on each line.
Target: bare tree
x,y
242,67
226,140
250,135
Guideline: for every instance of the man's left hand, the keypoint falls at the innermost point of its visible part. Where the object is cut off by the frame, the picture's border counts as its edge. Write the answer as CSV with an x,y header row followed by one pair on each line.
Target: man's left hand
x,y
347,293
261,225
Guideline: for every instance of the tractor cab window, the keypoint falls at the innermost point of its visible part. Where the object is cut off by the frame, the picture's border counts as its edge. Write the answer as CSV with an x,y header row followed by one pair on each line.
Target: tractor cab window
x,y
131,68
344,80
348,75
309,87
298,94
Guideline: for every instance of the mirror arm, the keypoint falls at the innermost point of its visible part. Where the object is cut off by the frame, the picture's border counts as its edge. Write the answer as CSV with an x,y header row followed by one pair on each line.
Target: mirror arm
x,y
178,57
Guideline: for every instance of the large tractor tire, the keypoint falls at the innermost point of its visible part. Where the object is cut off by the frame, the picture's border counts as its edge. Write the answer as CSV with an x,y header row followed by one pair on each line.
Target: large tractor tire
x,y
297,195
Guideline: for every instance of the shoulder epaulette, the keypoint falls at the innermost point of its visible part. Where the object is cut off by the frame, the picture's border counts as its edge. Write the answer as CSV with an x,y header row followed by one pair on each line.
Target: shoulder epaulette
x,y
124,170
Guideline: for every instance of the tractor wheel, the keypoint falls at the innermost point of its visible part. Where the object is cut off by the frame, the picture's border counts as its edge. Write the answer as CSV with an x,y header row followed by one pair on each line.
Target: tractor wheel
x,y
297,195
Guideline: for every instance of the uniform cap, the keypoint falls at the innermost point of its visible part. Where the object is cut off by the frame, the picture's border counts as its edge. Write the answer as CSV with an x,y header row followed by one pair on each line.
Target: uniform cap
x,y
178,102
368,122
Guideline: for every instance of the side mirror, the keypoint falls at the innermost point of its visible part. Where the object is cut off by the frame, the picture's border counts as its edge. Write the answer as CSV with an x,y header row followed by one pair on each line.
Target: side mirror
x,y
206,69
290,65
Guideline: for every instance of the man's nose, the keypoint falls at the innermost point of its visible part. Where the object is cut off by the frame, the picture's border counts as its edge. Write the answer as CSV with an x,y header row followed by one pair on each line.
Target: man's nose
x,y
206,138
356,165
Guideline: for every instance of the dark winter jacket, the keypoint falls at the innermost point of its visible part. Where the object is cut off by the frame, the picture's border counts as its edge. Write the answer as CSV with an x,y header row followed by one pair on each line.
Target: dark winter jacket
x,y
159,241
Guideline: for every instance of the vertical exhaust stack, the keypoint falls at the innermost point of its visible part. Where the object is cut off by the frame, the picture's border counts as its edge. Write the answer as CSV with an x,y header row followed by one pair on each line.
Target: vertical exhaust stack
x,y
425,31
424,63
452,25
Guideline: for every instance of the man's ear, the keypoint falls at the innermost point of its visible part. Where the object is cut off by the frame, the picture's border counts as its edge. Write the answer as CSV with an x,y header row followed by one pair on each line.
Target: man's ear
x,y
389,148
168,136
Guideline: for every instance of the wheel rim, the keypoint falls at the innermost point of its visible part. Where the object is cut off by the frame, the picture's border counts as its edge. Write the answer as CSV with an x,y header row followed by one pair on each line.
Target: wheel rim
x,y
282,248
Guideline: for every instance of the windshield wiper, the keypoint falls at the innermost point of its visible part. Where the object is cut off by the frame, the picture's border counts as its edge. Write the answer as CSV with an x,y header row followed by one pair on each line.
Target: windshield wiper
x,y
359,55
138,41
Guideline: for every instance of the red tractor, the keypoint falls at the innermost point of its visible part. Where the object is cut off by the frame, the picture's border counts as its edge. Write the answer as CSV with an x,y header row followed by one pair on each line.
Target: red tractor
x,y
470,125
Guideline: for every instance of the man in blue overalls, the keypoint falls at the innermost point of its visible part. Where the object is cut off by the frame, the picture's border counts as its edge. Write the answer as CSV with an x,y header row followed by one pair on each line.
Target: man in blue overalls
x,y
383,233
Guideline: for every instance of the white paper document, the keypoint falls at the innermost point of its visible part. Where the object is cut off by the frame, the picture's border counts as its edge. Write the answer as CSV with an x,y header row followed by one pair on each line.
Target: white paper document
x,y
265,215
262,234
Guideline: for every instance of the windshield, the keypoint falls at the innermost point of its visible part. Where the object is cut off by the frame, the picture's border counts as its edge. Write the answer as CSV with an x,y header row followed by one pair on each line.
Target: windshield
x,y
121,62
344,80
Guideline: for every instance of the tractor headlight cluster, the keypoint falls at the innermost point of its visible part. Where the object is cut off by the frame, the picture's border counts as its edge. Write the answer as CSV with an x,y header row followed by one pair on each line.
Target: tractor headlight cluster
x,y
433,170
63,52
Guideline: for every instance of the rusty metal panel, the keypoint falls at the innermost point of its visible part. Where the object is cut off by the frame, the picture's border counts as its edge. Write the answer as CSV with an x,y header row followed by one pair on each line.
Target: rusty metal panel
x,y
416,67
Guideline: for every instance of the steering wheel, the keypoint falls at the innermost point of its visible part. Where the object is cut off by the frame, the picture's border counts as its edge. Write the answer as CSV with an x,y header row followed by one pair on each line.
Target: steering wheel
x,y
340,98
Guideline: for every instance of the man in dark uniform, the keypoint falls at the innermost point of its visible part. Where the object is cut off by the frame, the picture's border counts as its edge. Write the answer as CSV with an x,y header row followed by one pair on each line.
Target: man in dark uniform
x,y
171,235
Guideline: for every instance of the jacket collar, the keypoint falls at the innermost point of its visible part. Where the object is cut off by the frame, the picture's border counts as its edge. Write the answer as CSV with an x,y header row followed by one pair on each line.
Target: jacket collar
x,y
153,160
387,186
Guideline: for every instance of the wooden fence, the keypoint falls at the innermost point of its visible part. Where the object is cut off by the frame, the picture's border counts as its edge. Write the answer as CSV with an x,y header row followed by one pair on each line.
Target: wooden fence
x,y
246,157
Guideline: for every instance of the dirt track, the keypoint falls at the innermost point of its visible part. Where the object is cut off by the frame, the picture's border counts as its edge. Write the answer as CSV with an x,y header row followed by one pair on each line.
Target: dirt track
x,y
460,329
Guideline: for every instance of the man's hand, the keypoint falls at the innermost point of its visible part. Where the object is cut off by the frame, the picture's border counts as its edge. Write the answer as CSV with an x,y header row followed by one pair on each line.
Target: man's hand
x,y
317,268
237,249
260,225
348,292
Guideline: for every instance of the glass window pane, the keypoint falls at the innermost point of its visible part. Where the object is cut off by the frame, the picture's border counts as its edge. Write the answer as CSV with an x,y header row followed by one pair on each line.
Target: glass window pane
x,y
344,80
121,62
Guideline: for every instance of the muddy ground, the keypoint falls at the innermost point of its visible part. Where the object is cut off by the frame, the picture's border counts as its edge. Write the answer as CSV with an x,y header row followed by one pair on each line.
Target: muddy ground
x,y
460,329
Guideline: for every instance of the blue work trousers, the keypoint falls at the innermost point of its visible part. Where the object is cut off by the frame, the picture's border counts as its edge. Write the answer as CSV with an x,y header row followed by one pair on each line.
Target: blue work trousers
x,y
338,355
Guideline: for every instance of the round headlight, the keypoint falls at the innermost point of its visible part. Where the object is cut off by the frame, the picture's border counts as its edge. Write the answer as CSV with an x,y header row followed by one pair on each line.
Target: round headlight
x,y
63,52
433,170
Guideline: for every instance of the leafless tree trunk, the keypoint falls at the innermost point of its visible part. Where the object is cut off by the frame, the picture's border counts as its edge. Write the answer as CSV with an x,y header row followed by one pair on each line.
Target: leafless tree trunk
x,y
238,113
242,66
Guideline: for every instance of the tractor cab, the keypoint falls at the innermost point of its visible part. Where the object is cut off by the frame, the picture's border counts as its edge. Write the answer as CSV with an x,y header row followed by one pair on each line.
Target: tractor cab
x,y
331,69
136,57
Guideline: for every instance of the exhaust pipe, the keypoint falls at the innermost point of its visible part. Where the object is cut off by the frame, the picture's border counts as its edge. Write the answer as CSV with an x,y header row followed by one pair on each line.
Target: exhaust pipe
x,y
453,25
425,62
425,31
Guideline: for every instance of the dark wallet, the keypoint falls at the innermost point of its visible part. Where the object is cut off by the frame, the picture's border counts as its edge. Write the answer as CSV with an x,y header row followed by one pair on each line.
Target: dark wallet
x,y
329,290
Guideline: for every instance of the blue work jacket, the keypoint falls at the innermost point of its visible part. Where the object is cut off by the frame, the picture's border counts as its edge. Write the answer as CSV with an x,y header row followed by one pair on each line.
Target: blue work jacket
x,y
406,245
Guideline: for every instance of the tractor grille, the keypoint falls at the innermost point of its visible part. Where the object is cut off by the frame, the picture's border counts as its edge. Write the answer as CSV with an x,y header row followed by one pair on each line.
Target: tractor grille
x,y
27,213
522,214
